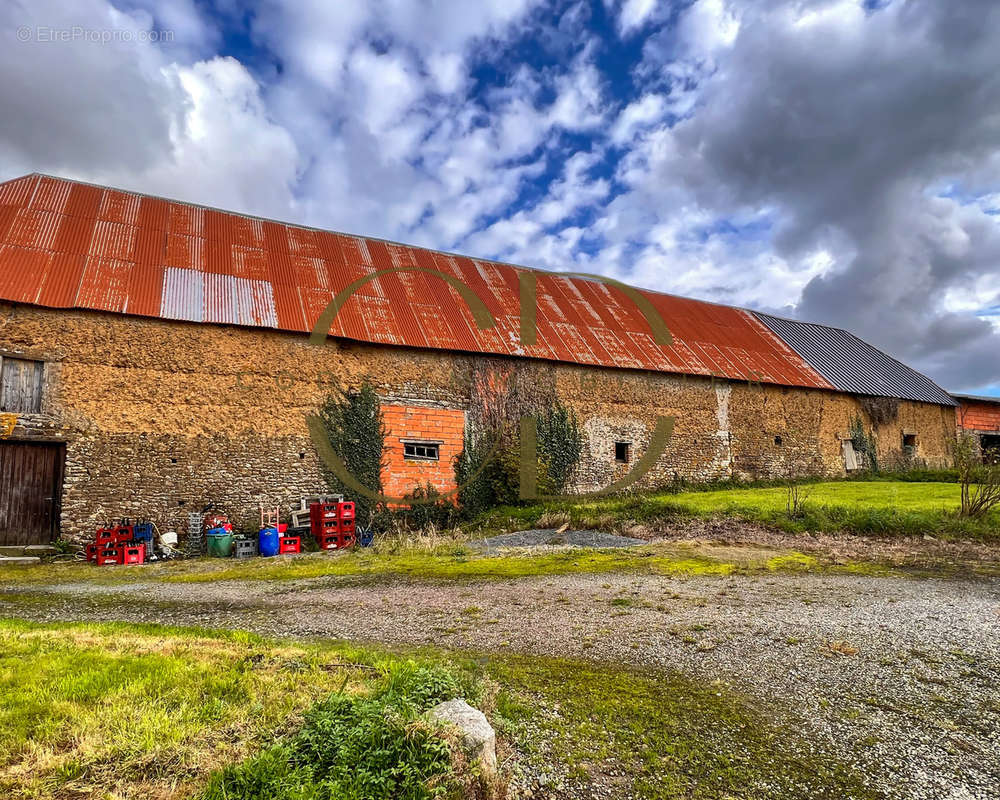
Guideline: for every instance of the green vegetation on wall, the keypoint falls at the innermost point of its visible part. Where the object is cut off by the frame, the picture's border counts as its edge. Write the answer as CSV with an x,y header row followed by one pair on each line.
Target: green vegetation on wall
x,y
560,444
864,444
488,469
356,432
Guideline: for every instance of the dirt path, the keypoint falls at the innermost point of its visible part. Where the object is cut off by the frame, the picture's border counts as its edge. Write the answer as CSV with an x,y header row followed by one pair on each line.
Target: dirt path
x,y
899,677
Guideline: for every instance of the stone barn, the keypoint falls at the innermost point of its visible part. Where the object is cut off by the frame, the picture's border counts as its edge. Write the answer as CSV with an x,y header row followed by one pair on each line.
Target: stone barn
x,y
156,356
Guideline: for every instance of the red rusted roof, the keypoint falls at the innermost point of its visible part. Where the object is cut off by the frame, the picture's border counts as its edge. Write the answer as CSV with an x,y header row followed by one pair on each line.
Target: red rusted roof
x,y
65,244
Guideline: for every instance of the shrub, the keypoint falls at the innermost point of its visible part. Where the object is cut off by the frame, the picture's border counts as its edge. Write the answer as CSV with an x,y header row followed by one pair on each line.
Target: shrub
x,y
356,748
426,507
356,432
980,482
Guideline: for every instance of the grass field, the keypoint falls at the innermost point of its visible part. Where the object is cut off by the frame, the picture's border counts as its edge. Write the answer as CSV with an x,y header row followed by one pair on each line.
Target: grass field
x,y
156,712
861,507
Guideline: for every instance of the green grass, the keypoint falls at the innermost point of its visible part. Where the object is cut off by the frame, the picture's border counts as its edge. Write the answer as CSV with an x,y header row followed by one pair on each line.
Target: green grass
x,y
95,710
870,507
445,562
151,711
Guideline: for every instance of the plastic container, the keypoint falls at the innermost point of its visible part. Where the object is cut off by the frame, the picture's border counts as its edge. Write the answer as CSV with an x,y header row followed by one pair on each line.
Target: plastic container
x,y
290,544
269,541
134,554
244,548
219,543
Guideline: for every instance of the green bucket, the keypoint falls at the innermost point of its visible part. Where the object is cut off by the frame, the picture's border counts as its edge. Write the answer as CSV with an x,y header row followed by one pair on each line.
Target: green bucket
x,y
220,545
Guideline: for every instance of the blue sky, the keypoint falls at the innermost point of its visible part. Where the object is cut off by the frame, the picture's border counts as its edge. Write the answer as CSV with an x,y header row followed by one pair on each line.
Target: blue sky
x,y
829,159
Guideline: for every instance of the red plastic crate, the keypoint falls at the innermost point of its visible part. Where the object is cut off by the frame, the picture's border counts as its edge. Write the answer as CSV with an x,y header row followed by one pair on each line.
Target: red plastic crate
x,y
289,544
124,533
328,542
134,554
345,510
346,540
92,550
105,535
348,526
322,511
109,556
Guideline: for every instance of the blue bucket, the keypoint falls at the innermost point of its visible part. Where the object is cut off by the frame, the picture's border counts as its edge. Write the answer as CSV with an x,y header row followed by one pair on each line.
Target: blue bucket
x,y
269,541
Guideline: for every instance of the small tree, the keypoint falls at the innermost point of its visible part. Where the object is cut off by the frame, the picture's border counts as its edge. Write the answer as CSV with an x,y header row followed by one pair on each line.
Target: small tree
x,y
980,482
356,432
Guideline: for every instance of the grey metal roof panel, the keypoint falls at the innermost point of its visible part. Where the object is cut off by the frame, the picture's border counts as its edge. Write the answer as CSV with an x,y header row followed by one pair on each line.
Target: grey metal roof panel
x,y
853,365
978,398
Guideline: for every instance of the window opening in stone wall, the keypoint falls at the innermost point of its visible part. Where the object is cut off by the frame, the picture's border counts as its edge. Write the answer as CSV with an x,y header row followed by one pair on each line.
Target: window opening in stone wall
x,y
623,450
850,455
20,385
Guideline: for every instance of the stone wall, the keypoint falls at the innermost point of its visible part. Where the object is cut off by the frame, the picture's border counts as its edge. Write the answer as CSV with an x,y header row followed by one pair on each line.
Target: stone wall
x,y
163,418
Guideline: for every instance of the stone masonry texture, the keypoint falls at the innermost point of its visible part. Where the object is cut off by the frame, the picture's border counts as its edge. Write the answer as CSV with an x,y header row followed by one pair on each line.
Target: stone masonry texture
x,y
162,418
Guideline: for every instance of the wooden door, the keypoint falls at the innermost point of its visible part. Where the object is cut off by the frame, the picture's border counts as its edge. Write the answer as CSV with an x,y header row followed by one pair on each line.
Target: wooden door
x,y
30,491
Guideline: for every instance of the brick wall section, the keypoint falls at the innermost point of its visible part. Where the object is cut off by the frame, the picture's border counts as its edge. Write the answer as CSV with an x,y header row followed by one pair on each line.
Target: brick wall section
x,y
422,423
979,416
162,418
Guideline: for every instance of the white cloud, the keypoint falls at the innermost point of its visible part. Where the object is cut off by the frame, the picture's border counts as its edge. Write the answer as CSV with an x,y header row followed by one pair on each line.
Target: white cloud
x,y
634,13
641,113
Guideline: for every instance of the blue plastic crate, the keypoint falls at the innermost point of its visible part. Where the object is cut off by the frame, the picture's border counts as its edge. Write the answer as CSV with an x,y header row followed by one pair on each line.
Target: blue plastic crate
x,y
366,537
143,532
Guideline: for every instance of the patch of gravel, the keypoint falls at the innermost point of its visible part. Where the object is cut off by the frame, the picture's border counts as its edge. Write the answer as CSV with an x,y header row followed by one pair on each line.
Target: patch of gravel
x,y
550,537
899,678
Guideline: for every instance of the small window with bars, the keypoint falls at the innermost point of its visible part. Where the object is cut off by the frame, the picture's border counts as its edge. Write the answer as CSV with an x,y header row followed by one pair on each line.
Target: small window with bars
x,y
421,451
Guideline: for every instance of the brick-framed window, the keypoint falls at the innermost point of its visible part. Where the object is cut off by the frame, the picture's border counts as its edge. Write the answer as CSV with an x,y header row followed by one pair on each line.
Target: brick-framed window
x,y
421,450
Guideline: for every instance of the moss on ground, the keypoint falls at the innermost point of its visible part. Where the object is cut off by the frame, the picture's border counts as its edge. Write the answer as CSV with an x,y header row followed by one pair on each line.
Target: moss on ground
x,y
672,737
146,710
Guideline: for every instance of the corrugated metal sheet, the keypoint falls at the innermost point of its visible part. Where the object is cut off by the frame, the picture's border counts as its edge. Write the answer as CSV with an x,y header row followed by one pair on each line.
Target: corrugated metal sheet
x,y
65,244
853,365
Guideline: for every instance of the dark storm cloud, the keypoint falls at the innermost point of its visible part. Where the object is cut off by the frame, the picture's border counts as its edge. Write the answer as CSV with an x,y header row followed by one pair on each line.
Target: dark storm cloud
x,y
852,127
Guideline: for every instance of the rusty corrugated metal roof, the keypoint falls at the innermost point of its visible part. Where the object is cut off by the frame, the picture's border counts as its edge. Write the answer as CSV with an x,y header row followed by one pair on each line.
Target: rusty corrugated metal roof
x,y
853,365
65,244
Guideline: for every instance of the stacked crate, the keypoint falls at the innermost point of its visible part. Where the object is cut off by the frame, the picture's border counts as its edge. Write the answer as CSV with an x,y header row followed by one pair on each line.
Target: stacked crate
x,y
120,544
333,525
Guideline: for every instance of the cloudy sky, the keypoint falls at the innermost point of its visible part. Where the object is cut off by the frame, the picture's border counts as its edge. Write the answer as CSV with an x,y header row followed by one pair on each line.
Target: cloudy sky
x,y
833,160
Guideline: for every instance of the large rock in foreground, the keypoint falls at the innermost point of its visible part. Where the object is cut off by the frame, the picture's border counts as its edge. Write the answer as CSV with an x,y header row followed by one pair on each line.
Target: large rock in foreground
x,y
479,740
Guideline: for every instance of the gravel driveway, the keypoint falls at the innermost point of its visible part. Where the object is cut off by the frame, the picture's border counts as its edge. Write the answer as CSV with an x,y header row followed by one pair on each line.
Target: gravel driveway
x,y
898,677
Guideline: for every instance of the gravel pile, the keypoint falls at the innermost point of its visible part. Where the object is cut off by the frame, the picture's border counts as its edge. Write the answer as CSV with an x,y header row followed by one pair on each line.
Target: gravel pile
x,y
900,678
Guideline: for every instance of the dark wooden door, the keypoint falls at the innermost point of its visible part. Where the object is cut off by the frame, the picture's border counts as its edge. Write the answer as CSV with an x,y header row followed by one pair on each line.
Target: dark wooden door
x,y
30,491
